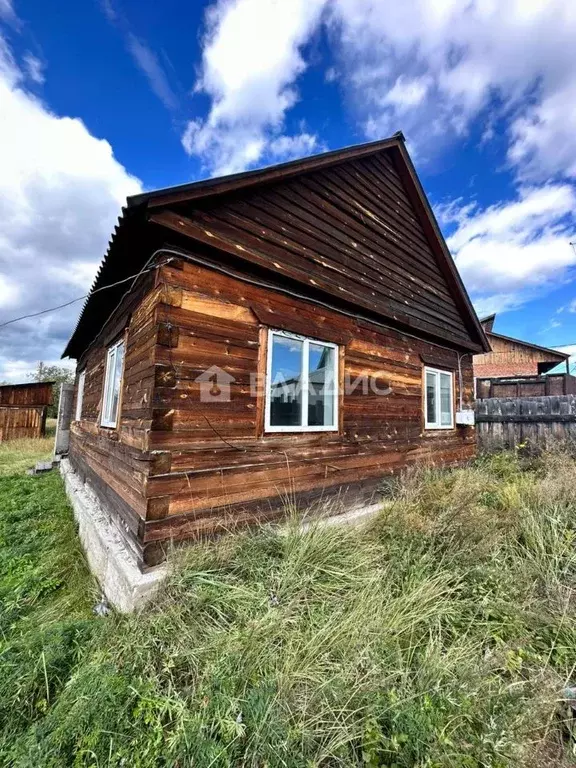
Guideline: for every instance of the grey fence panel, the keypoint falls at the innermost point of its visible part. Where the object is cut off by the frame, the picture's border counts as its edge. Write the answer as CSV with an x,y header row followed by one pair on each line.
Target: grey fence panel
x,y
535,422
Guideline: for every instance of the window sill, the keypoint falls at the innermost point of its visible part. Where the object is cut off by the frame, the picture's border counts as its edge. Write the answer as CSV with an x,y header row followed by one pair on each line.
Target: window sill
x,y
298,430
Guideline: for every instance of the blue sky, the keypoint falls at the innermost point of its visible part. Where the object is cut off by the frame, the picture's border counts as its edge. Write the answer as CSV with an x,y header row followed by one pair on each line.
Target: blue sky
x,y
104,98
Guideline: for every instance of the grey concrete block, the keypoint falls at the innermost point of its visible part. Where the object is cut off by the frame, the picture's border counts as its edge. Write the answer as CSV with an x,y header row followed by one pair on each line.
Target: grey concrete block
x,y
120,578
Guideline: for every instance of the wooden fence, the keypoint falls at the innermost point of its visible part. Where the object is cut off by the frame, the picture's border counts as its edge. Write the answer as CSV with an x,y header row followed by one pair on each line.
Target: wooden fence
x,y
526,386
534,422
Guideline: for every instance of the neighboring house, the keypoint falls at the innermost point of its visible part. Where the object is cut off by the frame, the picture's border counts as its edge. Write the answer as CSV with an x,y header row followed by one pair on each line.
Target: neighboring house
x,y
330,271
23,409
512,357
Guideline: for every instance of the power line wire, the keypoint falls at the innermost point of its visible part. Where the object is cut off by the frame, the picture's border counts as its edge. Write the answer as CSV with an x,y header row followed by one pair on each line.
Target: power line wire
x,y
73,301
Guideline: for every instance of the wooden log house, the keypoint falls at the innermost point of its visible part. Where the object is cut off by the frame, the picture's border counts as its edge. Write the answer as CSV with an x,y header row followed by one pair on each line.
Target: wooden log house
x,y
294,331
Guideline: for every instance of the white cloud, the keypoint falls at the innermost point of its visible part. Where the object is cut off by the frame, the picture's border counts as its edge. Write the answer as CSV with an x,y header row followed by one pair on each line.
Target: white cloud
x,y
512,252
7,11
552,325
34,68
431,67
407,93
109,10
331,75
144,57
543,137
252,58
434,66
9,292
60,193
147,61
568,348
287,147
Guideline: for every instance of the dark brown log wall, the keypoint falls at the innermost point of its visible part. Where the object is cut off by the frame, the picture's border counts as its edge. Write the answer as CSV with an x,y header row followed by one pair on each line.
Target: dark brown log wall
x,y
176,467
116,462
351,231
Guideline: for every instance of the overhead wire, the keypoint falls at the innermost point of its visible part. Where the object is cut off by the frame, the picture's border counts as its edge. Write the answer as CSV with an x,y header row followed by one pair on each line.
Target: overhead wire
x,y
79,298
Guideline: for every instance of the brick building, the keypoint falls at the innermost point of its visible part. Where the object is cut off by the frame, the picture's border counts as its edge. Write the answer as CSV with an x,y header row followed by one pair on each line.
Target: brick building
x,y
513,357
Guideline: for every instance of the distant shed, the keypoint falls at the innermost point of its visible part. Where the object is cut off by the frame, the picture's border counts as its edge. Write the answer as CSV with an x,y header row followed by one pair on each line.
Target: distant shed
x,y
23,409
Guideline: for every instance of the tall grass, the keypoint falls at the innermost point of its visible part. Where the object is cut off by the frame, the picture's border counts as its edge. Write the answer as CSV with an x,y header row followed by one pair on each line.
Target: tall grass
x,y
441,634
18,455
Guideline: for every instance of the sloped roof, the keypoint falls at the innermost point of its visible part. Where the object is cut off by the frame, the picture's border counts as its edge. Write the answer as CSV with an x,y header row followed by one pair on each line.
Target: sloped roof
x,y
488,324
133,241
560,355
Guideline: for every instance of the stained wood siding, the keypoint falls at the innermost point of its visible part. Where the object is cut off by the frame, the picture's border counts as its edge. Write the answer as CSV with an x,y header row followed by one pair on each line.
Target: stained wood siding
x,y
214,463
176,467
350,231
116,462
22,421
26,394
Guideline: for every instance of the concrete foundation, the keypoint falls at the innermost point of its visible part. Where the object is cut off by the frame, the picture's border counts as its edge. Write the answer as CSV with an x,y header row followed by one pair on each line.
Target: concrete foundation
x,y
124,585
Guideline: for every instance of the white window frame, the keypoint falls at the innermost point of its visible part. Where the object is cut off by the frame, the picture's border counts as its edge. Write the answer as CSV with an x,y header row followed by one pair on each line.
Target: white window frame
x,y
80,394
306,341
108,397
436,424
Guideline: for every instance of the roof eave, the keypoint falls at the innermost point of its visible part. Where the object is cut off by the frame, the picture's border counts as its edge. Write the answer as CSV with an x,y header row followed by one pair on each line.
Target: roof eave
x,y
222,184
562,355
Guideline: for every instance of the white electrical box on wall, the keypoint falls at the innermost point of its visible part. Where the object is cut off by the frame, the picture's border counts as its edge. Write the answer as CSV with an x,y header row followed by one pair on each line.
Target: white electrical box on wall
x,y
465,418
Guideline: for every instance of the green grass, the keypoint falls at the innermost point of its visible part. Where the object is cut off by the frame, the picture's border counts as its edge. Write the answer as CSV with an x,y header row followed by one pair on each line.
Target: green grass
x,y
18,455
440,635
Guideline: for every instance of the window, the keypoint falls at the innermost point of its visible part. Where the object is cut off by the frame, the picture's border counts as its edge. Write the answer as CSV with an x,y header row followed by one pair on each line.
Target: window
x,y
80,395
302,384
439,399
114,361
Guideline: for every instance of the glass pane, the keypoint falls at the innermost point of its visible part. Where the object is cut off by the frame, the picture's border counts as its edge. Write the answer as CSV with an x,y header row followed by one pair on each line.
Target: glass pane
x,y
445,399
80,395
285,382
321,389
109,379
116,382
430,397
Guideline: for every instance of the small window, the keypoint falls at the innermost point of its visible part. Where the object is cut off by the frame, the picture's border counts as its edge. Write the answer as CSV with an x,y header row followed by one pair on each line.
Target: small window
x,y
80,395
302,384
112,384
439,399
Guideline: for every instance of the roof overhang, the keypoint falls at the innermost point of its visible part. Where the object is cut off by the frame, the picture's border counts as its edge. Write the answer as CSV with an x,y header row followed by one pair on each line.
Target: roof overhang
x,y
560,355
